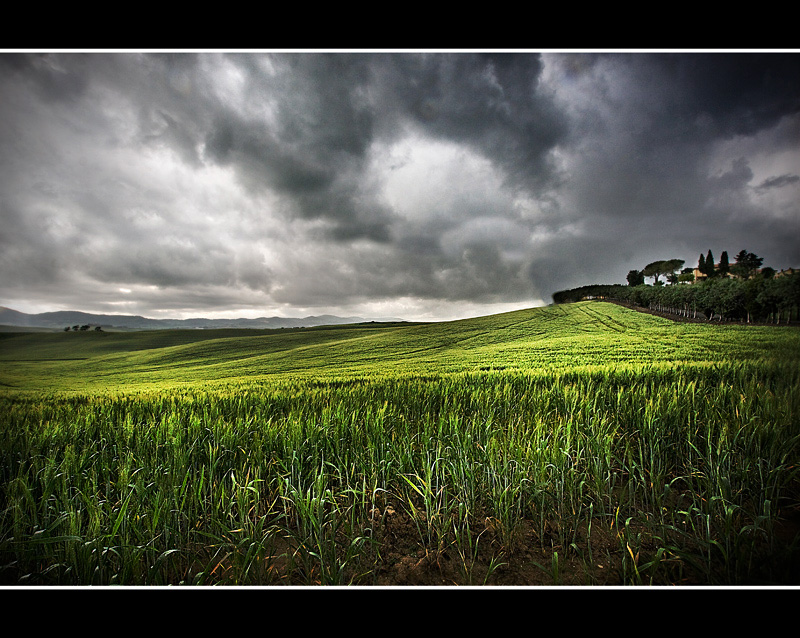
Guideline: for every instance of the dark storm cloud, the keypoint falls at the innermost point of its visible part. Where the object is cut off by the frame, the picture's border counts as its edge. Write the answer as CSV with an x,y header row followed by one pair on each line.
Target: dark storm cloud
x,y
313,145
779,181
51,81
733,93
741,92
295,180
488,101
330,108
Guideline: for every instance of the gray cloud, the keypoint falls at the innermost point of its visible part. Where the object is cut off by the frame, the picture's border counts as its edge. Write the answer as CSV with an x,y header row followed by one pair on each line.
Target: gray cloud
x,y
430,183
779,181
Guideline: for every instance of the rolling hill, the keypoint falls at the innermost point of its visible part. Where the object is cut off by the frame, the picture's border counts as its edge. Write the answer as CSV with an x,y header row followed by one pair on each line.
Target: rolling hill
x,y
554,337
583,443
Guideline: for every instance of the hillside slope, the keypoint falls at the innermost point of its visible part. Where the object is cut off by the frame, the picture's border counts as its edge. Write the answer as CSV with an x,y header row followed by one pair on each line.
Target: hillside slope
x,y
581,334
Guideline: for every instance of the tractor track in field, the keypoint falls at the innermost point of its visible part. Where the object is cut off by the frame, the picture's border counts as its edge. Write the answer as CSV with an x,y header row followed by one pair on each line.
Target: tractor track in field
x,y
607,321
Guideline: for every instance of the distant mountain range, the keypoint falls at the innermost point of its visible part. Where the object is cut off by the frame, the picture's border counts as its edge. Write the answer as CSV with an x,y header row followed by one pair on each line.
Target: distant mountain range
x,y
64,318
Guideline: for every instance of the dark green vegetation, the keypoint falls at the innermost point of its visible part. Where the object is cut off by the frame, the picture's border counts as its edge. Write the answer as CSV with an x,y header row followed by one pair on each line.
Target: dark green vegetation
x,y
761,299
575,444
742,291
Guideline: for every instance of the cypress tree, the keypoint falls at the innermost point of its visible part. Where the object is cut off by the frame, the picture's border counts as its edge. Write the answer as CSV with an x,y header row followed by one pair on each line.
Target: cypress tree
x,y
724,266
710,263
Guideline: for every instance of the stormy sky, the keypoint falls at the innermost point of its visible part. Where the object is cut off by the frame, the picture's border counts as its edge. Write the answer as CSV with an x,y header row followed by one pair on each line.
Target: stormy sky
x,y
425,185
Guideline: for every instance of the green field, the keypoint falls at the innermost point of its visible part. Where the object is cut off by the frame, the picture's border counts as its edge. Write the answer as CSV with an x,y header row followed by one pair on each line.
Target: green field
x,y
583,444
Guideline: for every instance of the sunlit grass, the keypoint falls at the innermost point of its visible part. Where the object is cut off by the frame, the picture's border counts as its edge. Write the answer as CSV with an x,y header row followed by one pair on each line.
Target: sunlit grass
x,y
574,435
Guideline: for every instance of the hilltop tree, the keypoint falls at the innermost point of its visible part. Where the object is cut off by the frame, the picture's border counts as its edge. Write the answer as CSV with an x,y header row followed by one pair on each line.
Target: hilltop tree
x,y
724,265
746,264
664,267
654,269
686,276
635,278
670,266
710,270
701,264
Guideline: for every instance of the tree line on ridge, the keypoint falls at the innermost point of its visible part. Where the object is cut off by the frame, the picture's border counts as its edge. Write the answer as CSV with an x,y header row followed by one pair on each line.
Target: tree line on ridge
x,y
739,291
